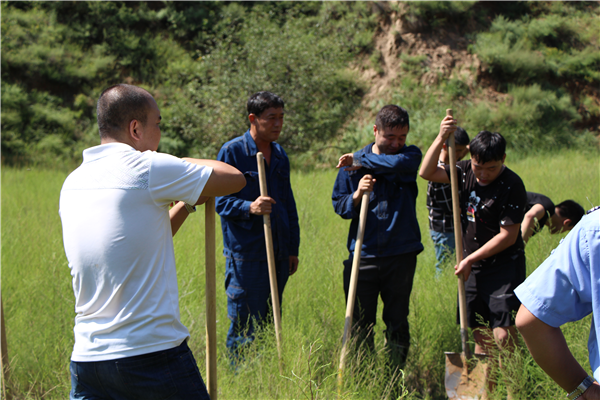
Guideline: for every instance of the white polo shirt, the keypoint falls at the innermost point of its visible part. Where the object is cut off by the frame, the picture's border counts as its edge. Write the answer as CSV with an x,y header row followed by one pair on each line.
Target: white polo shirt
x,y
118,241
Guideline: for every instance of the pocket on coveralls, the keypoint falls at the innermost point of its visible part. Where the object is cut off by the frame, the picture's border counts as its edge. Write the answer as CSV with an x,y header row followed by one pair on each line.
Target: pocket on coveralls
x,y
236,299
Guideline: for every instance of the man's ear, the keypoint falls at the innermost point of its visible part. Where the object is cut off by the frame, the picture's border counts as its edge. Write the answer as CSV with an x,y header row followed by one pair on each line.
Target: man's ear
x,y
252,118
503,158
567,223
444,146
135,131
375,129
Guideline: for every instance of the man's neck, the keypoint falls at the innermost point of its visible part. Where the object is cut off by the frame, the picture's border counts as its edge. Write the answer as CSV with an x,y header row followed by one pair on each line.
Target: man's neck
x,y
108,139
262,146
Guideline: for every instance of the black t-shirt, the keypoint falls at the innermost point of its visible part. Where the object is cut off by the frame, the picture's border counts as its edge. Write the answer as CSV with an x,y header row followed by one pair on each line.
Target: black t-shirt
x,y
536,198
484,209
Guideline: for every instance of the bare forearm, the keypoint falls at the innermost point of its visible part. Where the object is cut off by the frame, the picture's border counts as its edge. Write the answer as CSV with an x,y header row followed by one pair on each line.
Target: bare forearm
x,y
177,214
224,179
549,349
495,245
429,164
527,228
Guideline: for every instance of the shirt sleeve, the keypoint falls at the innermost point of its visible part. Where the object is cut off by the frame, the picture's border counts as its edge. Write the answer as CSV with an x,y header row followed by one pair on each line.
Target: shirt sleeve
x,y
294,225
561,289
401,167
173,179
232,206
342,196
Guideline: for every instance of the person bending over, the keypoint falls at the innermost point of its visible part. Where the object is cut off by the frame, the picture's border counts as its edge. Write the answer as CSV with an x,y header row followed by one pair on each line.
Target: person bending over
x,y
564,288
540,211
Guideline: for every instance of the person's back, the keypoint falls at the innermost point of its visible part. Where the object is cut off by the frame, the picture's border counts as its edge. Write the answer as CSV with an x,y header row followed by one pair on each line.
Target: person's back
x,y
117,237
117,234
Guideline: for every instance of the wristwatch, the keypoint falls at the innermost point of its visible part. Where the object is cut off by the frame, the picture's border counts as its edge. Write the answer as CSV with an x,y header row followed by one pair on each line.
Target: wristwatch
x,y
190,209
583,386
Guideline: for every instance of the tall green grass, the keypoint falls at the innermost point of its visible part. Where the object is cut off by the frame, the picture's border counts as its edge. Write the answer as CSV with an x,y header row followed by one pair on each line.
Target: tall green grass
x,y
39,304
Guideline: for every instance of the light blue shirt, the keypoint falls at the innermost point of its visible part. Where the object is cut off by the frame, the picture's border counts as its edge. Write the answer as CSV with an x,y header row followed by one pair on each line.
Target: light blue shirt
x,y
566,287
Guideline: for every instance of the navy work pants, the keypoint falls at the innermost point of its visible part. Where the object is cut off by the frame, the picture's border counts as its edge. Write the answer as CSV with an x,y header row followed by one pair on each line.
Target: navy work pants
x,y
392,279
249,297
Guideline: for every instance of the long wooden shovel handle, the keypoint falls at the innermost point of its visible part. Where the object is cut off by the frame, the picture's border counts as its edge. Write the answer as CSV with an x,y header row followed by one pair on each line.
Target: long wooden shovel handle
x,y
462,298
211,297
4,356
364,208
270,256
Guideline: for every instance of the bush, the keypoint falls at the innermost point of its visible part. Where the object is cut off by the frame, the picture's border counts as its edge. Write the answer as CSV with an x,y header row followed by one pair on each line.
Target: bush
x,y
550,47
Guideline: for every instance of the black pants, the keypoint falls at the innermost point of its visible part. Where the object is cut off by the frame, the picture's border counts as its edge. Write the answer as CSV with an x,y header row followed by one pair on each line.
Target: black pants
x,y
392,279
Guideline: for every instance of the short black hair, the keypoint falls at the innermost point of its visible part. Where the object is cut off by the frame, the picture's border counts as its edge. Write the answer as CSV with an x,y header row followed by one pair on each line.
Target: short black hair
x,y
392,116
118,106
488,146
259,102
461,137
571,210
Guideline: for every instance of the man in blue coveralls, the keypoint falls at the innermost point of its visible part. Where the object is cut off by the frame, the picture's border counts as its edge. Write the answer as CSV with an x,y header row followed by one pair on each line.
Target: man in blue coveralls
x,y
247,274
388,169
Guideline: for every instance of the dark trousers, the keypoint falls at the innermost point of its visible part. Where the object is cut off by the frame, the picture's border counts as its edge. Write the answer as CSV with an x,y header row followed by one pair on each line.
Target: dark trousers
x,y
392,279
169,374
249,298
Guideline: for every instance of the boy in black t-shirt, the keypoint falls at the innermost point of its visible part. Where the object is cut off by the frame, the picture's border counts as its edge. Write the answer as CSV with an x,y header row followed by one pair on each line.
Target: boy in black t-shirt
x,y
492,204
540,211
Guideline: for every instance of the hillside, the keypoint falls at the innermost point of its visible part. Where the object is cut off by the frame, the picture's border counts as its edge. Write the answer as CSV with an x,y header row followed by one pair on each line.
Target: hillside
x,y
442,61
529,70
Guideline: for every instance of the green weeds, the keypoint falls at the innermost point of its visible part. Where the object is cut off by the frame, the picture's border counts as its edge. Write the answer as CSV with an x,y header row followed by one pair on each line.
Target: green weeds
x,y
38,298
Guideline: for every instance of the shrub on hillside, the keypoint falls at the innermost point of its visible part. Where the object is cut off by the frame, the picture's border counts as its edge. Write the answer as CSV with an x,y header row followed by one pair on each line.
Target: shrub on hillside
x,y
550,46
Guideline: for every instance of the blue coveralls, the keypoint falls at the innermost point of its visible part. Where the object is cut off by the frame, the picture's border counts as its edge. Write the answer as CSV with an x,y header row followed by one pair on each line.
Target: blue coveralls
x,y
246,275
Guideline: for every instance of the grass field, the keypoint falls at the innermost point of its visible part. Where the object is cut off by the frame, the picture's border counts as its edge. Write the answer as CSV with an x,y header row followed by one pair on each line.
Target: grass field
x,y
38,299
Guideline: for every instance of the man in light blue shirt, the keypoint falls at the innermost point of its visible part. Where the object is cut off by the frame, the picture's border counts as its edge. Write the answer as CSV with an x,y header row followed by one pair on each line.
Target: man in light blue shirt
x,y
565,288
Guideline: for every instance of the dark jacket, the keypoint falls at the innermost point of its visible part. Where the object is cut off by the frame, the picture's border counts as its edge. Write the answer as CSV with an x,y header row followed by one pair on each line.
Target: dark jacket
x,y
243,233
392,226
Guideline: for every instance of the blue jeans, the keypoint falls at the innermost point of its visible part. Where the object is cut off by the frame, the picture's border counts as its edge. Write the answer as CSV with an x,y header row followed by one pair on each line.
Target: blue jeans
x,y
444,247
249,298
169,374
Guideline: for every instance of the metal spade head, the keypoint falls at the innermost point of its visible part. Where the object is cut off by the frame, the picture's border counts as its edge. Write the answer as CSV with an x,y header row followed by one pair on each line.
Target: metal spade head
x,y
466,381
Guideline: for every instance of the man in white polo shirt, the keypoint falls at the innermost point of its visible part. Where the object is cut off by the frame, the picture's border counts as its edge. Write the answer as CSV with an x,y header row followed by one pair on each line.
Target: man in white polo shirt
x,y
117,233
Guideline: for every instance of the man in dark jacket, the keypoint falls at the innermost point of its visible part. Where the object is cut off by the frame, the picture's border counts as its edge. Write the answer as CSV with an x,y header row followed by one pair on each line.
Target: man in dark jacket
x,y
387,169
247,274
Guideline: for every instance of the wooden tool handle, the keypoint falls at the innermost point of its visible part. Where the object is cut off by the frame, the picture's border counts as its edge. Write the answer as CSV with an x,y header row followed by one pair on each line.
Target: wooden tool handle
x,y
211,297
270,256
362,221
462,298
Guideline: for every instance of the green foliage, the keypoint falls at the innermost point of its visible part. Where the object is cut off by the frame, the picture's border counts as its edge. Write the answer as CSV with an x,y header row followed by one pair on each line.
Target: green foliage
x,y
531,118
560,46
445,9
39,303
300,60
414,64
201,61
36,121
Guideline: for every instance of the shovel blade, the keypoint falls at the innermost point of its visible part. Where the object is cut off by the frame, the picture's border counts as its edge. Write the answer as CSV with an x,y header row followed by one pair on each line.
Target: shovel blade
x,y
466,383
